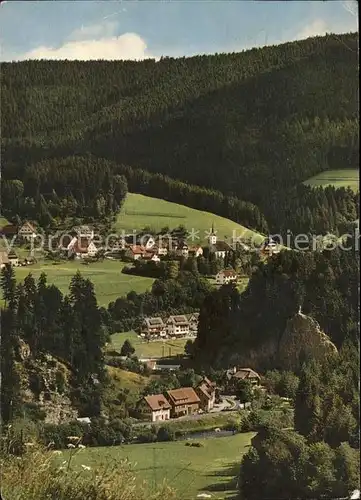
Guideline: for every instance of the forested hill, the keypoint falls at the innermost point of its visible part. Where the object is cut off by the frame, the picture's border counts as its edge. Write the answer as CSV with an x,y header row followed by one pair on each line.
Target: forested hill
x,y
248,123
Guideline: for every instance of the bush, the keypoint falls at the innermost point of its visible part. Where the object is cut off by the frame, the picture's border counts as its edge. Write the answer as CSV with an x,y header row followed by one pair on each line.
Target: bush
x,y
165,434
147,436
60,381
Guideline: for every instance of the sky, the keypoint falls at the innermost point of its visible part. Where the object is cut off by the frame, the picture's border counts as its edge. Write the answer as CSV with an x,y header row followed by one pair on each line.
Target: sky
x,y
150,29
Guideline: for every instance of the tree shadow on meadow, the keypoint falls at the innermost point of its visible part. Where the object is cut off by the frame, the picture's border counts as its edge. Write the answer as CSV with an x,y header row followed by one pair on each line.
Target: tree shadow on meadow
x,y
228,481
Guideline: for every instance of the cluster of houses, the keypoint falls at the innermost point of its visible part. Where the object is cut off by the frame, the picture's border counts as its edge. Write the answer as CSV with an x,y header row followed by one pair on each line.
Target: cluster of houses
x,y
173,327
179,402
25,231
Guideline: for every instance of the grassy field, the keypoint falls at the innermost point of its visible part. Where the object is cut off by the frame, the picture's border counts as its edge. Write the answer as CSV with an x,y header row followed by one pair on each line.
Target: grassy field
x,y
337,178
145,349
107,277
212,469
140,211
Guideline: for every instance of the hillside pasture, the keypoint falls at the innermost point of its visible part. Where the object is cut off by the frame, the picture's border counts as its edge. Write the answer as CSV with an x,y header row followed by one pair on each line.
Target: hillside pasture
x,y
210,469
141,211
144,349
337,178
107,277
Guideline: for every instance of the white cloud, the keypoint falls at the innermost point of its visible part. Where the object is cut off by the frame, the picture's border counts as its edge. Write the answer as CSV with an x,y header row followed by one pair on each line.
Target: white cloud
x,y
127,46
318,27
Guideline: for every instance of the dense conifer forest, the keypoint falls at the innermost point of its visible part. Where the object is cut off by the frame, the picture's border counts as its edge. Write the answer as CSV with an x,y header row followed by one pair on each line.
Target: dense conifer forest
x,y
253,125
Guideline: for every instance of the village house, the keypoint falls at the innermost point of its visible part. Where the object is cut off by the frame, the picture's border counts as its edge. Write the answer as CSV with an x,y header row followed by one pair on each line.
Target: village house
x,y
153,327
4,259
149,256
27,231
157,407
177,326
160,250
183,401
135,252
193,323
195,251
206,391
226,276
147,241
243,374
81,248
13,258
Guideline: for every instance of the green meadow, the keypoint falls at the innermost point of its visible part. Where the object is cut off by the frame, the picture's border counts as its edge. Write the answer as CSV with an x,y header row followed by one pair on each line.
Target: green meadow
x,y
211,469
107,277
144,349
338,178
141,211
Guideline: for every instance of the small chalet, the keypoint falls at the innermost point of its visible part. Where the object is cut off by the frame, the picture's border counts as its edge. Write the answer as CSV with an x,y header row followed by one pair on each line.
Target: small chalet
x,y
154,327
183,401
157,407
81,248
193,322
27,231
226,276
145,241
4,259
206,391
243,374
177,326
13,258
195,251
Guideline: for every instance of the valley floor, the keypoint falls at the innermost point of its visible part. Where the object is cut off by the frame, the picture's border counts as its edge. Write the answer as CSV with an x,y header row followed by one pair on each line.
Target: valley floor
x,y
212,469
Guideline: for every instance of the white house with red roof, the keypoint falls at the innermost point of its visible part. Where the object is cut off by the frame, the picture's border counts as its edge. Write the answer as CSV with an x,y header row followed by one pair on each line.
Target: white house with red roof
x,y
226,276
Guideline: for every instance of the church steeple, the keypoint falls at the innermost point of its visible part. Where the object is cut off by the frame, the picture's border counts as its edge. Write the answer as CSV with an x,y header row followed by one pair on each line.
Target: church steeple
x,y
212,238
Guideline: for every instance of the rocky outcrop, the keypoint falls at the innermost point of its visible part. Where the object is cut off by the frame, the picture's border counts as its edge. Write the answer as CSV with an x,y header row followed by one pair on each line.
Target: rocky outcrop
x,y
303,339
45,386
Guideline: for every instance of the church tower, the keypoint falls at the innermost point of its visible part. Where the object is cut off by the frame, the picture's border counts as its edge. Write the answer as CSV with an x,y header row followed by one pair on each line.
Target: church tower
x,y
212,238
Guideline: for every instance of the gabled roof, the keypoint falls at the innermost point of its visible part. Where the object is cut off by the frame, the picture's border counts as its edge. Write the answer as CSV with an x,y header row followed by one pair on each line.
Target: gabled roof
x,y
137,249
178,320
229,273
246,373
157,402
155,321
27,226
81,245
184,395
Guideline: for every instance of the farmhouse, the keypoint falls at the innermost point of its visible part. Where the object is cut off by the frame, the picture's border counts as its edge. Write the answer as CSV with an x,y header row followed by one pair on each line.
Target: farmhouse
x,y
206,391
154,327
81,248
135,252
226,276
243,374
27,231
178,326
183,401
157,407
4,259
